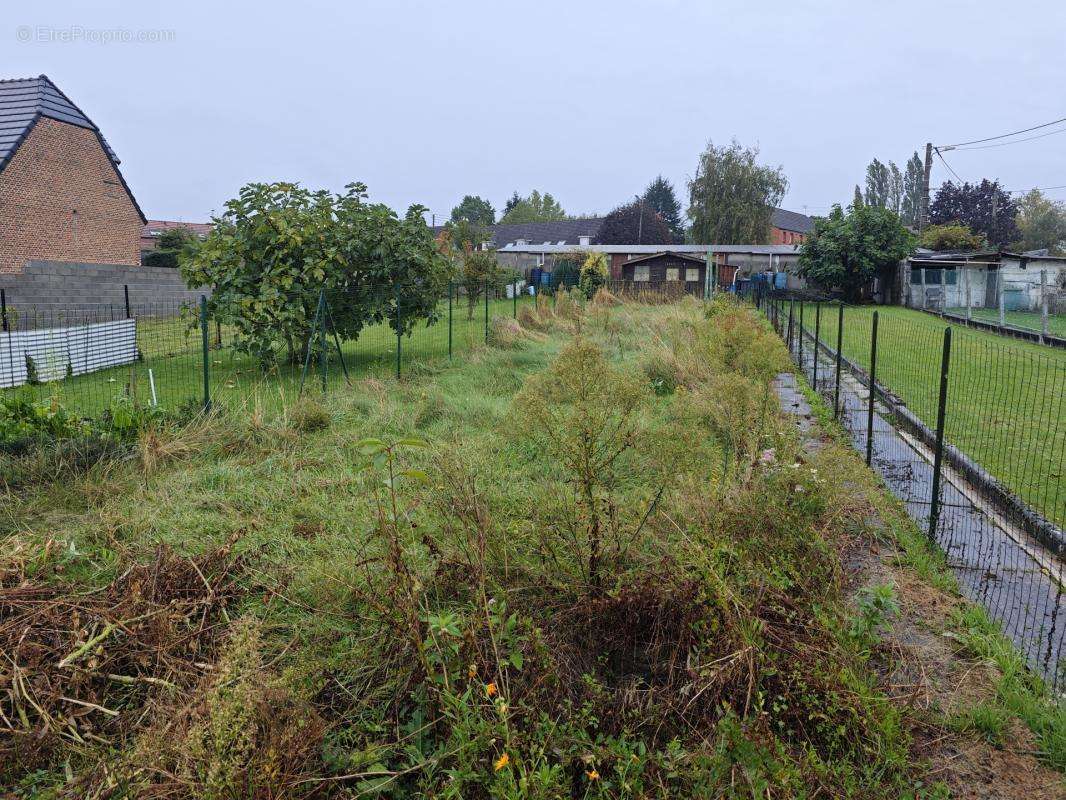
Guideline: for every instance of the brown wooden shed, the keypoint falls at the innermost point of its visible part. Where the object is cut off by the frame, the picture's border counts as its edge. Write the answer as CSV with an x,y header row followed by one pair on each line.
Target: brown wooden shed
x,y
667,268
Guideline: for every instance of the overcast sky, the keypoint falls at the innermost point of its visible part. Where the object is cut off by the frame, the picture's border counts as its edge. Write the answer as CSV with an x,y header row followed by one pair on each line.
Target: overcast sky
x,y
426,102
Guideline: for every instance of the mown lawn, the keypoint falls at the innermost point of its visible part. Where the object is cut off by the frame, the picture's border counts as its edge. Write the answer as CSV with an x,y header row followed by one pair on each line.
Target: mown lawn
x,y
1006,398
172,359
1027,320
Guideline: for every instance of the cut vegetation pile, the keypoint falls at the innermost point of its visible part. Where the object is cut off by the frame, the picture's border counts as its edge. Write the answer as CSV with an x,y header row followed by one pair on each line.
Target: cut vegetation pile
x,y
592,562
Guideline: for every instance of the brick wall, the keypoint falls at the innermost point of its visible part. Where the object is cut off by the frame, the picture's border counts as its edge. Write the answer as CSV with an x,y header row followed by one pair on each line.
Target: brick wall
x,y
62,200
780,236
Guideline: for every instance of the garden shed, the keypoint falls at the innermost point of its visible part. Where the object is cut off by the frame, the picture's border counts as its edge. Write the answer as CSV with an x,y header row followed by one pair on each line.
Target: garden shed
x,y
667,267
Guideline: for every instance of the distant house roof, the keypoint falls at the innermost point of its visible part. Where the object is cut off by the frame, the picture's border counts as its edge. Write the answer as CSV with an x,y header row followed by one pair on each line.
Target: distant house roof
x,y
791,221
23,101
155,227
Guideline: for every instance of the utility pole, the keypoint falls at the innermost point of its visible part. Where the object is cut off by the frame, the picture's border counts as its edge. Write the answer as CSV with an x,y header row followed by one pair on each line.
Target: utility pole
x,y
923,216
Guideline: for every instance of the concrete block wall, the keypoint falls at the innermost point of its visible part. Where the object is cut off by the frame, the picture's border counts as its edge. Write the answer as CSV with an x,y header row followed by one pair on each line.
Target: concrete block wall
x,y
56,284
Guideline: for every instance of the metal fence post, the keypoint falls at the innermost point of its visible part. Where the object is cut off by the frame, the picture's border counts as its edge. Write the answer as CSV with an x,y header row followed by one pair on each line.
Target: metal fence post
x,y
1043,307
969,299
514,297
450,286
799,344
126,293
938,455
399,337
817,341
204,335
3,310
840,348
322,337
486,312
791,311
870,402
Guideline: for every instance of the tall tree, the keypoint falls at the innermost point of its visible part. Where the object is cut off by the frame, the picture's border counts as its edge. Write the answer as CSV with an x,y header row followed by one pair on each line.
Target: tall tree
x,y
847,250
474,209
1042,222
856,201
634,223
913,188
660,197
512,201
894,199
535,208
732,196
985,208
876,185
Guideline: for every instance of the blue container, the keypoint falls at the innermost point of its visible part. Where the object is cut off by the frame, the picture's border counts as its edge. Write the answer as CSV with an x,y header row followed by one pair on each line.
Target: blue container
x,y
780,280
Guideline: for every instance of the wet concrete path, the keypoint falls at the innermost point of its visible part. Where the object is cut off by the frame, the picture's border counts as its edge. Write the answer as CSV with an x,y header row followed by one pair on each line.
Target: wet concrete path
x,y
996,563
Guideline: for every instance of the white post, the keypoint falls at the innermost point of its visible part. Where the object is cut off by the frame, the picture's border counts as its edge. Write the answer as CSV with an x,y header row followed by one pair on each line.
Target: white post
x,y
966,278
1043,306
924,301
999,298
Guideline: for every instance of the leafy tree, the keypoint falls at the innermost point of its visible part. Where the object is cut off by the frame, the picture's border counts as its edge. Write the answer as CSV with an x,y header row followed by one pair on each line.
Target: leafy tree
x,y
660,196
985,208
278,245
913,189
593,274
474,209
478,270
634,223
513,201
535,208
467,235
894,199
876,185
857,201
1042,223
732,196
848,250
173,245
954,236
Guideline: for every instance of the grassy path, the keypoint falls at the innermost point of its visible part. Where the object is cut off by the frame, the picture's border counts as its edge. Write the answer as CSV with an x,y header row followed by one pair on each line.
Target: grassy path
x,y
1006,399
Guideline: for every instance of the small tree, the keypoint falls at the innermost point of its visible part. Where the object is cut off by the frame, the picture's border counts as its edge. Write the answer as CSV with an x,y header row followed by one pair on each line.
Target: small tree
x,y
847,251
985,208
478,270
955,236
1042,223
634,223
278,245
593,274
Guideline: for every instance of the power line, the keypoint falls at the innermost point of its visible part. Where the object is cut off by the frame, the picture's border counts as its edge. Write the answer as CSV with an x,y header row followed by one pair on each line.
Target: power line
x,y
1015,141
946,164
1005,135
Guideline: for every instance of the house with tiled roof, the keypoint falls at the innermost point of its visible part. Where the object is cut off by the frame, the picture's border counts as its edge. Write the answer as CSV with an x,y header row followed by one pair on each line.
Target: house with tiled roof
x,y
789,227
62,195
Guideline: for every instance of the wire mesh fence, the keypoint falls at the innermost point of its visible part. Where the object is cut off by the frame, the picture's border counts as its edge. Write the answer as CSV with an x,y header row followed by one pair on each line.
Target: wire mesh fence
x,y
969,431
173,354
1029,303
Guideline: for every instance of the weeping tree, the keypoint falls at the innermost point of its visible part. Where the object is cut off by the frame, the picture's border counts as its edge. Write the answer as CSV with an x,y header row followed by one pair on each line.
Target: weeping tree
x,y
278,245
732,196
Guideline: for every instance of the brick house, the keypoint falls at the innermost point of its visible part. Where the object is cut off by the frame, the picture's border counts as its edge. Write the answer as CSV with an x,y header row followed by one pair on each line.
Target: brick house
x,y
788,227
62,196
154,228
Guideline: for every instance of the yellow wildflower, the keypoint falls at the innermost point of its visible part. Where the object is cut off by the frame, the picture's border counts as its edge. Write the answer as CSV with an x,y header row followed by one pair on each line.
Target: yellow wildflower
x,y
490,690
593,775
471,672
501,762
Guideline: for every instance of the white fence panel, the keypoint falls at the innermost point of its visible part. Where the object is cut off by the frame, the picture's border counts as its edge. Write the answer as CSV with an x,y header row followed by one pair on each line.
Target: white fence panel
x,y
74,350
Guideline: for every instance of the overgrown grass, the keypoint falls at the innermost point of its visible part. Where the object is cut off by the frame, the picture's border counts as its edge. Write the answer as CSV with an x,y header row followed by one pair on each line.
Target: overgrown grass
x,y
605,588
